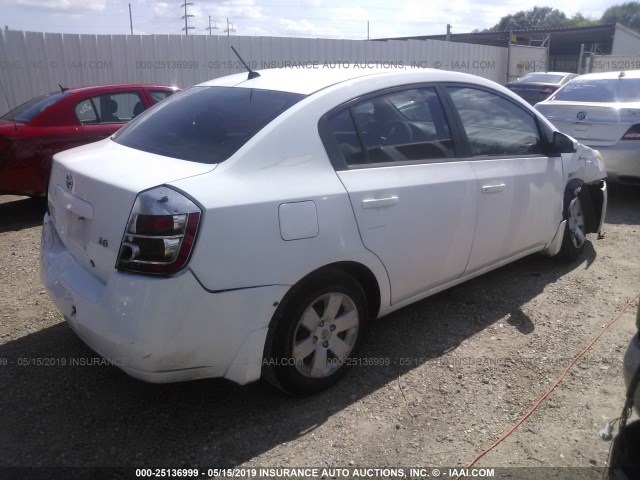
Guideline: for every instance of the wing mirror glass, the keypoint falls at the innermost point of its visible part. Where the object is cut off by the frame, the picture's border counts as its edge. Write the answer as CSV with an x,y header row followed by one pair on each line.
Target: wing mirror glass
x,y
563,143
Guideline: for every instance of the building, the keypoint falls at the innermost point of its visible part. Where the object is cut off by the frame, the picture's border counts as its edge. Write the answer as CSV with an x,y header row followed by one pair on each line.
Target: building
x,y
565,44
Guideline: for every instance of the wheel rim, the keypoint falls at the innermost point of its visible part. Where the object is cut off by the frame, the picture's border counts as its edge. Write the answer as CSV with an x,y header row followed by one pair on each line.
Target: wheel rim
x,y
325,335
576,223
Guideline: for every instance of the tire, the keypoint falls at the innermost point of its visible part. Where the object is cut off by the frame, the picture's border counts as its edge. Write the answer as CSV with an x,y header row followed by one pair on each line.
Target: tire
x,y
315,333
574,213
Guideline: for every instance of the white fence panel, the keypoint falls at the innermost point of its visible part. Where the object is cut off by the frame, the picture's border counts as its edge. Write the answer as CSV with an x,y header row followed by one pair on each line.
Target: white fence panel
x,y
526,59
34,63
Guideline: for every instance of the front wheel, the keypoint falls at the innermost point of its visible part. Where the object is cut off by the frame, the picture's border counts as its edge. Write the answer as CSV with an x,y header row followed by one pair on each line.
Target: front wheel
x,y
575,230
315,334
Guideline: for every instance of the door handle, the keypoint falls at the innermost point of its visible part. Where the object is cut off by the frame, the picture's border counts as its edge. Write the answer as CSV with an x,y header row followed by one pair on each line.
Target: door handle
x,y
379,202
493,188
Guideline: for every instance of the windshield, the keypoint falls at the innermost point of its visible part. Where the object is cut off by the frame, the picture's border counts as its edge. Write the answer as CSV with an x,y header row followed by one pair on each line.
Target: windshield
x,y
541,78
27,111
600,90
205,124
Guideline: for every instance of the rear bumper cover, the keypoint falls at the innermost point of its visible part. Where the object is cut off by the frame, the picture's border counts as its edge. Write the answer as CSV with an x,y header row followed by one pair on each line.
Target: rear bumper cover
x,y
622,160
160,329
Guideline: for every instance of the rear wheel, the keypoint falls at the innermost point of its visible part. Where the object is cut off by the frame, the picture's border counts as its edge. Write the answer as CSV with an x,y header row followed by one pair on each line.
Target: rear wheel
x,y
315,334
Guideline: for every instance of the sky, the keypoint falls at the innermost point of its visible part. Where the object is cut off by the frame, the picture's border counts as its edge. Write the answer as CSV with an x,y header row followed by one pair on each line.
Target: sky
x,y
280,18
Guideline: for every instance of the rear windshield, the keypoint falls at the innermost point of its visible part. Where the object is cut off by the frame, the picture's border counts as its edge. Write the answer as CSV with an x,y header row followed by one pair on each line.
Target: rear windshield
x,y
27,111
541,78
205,124
600,90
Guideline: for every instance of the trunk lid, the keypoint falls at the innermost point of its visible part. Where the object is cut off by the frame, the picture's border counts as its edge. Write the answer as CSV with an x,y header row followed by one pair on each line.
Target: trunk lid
x,y
92,190
594,124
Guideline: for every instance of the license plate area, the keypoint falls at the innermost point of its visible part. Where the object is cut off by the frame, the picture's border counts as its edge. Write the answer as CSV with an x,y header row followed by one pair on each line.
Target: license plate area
x,y
78,230
72,218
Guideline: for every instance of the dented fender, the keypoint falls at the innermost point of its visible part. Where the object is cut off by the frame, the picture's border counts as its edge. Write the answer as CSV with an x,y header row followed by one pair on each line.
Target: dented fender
x,y
585,164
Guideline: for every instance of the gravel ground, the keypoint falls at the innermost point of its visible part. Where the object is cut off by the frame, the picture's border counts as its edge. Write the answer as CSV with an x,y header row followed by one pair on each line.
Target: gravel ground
x,y
463,367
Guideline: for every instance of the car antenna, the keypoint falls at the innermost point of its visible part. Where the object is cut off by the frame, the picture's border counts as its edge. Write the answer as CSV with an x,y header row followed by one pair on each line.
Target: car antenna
x,y
252,73
6,99
622,74
63,89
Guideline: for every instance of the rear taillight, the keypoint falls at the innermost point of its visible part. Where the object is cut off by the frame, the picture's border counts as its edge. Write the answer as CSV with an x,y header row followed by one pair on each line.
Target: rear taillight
x,y
160,234
633,133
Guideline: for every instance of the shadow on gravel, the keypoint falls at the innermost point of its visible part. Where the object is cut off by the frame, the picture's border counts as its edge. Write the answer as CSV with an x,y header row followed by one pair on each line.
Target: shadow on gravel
x,y
87,415
21,213
624,204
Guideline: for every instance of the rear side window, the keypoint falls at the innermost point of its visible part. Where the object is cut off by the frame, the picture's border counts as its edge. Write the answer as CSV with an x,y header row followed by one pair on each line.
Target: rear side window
x,y
408,125
541,78
110,108
601,90
27,111
495,125
205,124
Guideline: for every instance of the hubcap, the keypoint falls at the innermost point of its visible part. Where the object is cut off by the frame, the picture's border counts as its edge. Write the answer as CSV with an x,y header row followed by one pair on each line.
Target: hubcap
x,y
576,223
325,335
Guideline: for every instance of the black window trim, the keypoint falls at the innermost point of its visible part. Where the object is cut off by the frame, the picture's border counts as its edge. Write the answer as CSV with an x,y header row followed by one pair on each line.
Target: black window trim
x,y
333,151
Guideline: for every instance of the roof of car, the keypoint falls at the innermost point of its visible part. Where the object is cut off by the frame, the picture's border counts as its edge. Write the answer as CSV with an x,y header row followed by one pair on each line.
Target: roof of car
x,y
309,80
550,73
118,86
609,75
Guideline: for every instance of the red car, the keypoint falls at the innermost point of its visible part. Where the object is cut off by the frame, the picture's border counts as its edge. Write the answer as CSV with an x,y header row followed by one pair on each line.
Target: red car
x,y
31,133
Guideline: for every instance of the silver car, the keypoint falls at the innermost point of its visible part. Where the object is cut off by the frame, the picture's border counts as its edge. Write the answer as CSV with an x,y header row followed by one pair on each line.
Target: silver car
x,y
602,110
537,86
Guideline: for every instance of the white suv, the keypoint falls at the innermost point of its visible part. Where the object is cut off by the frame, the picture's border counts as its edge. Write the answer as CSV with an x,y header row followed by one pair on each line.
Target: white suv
x,y
253,225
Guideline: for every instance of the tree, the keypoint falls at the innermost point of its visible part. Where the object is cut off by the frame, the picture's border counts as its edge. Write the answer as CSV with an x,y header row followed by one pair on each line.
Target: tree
x,y
627,14
539,17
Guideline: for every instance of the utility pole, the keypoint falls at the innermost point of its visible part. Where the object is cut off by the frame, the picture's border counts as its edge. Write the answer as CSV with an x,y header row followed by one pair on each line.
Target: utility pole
x,y
186,27
130,19
229,29
448,32
367,29
210,28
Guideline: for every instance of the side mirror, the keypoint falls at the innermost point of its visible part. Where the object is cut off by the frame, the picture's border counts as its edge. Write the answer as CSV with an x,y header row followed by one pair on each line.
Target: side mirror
x,y
563,143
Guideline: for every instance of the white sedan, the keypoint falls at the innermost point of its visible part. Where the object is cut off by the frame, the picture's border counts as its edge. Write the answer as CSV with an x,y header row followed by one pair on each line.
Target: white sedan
x,y
253,225
602,110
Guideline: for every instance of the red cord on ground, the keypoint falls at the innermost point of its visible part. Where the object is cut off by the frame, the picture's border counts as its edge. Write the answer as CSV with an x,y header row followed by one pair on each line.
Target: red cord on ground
x,y
556,383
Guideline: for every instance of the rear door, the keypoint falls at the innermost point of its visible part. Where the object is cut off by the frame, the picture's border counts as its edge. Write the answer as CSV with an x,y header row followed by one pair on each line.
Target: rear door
x,y
519,188
414,202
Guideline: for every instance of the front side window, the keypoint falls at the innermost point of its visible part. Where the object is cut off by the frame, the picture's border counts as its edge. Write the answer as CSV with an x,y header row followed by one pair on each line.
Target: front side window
x,y
205,124
494,125
401,126
110,108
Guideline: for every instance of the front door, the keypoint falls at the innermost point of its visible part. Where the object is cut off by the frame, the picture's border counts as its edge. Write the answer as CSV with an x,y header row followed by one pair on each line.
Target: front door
x,y
414,203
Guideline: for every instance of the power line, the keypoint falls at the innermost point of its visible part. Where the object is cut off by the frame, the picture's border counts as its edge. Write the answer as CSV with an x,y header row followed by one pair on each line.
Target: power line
x,y
229,27
210,28
185,17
